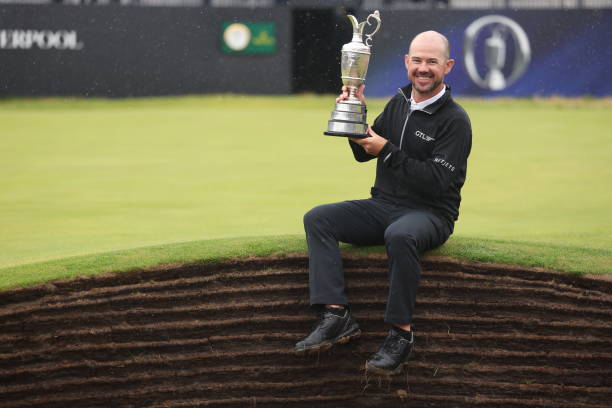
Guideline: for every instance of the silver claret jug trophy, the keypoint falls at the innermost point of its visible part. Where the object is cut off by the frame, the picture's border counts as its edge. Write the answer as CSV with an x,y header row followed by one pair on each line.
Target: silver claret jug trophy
x,y
349,117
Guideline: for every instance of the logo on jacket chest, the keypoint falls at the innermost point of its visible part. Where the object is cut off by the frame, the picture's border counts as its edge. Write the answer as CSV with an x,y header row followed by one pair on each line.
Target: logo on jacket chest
x,y
423,136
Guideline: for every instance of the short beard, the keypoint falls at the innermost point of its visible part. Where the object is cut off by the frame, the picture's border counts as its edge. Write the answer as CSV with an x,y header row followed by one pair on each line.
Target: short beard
x,y
431,88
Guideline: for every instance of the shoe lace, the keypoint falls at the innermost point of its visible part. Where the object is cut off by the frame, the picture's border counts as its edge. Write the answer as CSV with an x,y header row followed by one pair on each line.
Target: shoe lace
x,y
325,319
393,343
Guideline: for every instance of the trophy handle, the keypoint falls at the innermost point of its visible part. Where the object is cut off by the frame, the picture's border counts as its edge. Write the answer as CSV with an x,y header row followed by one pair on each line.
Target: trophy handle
x,y
375,16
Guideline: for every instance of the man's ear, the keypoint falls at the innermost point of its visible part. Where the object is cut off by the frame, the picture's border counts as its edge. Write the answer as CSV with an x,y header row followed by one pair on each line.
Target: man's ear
x,y
406,59
449,66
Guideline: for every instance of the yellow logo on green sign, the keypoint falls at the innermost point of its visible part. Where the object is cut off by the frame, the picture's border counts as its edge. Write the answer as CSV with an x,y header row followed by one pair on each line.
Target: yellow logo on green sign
x,y
248,38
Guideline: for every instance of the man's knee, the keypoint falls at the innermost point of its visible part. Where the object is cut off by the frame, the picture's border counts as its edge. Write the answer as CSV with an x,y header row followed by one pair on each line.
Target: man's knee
x,y
315,216
396,237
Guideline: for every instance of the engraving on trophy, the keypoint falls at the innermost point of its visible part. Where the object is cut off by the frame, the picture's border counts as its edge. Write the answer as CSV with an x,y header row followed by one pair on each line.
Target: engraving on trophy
x,y
349,117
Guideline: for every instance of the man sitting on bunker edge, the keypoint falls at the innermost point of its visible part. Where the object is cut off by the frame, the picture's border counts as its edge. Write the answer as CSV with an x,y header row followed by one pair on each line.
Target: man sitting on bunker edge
x,y
421,142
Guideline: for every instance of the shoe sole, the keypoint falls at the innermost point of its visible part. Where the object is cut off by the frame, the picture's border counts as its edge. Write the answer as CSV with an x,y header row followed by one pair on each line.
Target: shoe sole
x,y
343,339
370,369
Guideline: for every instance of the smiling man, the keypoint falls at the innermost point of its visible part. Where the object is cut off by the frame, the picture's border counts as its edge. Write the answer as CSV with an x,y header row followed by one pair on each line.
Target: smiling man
x,y
421,142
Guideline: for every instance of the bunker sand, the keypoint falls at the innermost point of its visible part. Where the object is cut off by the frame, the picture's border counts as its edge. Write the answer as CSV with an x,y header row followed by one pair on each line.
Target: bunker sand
x,y
223,334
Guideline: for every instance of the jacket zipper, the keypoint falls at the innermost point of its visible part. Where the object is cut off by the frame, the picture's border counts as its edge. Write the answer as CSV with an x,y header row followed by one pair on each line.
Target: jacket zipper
x,y
404,128
407,117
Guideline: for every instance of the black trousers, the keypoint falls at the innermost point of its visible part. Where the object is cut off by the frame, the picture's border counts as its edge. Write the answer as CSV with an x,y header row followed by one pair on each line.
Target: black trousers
x,y
405,232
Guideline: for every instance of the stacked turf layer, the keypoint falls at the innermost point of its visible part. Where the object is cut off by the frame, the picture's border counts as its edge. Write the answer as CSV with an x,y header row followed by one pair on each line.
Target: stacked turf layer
x,y
222,335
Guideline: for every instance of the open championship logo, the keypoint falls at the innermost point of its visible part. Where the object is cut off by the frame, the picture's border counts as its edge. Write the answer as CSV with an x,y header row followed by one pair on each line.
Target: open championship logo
x,y
500,28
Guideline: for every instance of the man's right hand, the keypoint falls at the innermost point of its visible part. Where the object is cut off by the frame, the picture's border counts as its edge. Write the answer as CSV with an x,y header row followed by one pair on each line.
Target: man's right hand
x,y
345,94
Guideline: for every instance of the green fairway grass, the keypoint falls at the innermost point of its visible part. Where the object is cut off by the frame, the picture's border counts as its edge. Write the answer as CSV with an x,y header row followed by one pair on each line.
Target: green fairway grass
x,y
83,177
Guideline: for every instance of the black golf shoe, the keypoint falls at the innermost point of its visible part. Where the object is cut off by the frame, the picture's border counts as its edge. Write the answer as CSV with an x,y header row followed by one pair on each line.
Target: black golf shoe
x,y
391,356
329,330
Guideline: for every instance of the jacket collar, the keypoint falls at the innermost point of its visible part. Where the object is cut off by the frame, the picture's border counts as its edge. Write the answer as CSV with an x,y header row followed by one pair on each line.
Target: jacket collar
x,y
431,109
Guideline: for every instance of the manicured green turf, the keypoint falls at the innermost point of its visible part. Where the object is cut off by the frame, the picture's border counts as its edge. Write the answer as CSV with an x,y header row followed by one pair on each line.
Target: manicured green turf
x,y
91,176
571,259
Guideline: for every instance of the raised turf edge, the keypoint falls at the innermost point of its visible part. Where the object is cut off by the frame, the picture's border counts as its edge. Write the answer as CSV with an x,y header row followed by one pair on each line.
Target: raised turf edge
x,y
568,259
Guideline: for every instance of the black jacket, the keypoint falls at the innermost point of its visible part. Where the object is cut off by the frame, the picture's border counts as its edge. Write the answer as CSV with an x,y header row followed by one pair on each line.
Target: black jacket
x,y
424,163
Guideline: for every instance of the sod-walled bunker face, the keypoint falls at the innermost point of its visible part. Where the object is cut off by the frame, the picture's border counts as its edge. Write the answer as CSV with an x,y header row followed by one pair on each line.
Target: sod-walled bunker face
x,y
222,335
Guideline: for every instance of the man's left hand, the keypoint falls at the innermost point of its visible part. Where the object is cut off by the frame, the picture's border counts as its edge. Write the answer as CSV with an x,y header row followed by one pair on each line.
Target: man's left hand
x,y
373,144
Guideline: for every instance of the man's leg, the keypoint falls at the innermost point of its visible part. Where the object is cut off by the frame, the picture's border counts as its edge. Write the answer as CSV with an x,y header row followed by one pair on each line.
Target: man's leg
x,y
406,238
359,222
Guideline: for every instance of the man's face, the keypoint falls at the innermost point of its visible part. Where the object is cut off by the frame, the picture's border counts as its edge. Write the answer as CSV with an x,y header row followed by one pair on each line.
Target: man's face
x,y
427,65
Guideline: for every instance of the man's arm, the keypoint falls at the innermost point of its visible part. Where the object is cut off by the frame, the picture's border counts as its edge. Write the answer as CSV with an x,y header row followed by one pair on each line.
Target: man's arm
x,y
371,145
434,175
359,152
368,148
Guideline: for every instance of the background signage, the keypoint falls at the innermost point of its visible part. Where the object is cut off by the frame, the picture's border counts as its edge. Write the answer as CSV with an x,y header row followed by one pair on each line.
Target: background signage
x,y
140,51
248,38
134,51
507,53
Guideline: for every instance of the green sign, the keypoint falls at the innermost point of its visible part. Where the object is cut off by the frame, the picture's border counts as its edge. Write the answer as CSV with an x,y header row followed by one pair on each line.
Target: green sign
x,y
248,38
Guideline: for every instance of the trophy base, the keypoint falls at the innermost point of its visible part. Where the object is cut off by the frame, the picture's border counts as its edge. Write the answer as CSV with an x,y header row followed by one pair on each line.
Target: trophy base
x,y
344,134
348,120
